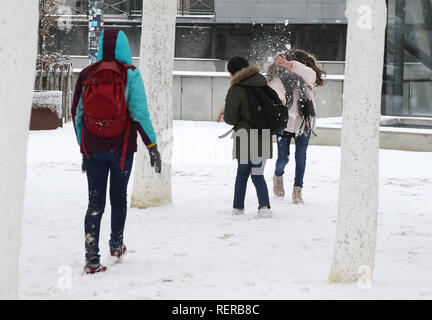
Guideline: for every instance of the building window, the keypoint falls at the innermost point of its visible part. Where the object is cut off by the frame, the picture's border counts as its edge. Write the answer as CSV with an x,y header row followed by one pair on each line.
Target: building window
x,y
327,42
407,88
193,41
260,41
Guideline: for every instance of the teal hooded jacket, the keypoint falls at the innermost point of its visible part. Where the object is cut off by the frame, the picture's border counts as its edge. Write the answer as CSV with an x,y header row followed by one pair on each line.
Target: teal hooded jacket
x,y
114,44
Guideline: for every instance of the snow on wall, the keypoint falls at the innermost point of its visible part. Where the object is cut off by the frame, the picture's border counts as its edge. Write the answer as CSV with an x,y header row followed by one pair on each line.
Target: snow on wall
x,y
52,100
18,49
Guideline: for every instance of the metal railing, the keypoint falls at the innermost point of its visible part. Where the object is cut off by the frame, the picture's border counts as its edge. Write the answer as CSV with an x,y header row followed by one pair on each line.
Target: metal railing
x,y
57,77
78,7
133,8
126,8
405,103
191,7
411,83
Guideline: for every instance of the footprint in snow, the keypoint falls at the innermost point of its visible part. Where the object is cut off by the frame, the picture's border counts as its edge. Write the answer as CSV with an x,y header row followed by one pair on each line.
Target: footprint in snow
x,y
226,236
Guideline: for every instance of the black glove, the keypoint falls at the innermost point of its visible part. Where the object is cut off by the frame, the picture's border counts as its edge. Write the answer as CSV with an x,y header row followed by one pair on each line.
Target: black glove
x,y
155,159
83,166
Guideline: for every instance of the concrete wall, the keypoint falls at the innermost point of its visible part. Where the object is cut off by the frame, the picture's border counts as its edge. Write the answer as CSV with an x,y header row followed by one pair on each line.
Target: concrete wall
x,y
328,99
277,11
201,97
391,136
180,64
199,65
212,65
199,92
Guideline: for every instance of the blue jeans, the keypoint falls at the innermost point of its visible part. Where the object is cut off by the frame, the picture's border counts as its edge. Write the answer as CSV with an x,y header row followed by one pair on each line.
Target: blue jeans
x,y
283,144
257,173
98,167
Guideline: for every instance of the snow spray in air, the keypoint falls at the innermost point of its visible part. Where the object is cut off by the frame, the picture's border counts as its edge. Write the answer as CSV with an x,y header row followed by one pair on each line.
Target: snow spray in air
x,y
268,41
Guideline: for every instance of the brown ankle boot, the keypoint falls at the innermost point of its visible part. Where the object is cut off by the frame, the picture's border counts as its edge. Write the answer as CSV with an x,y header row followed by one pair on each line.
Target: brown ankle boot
x,y
297,195
278,186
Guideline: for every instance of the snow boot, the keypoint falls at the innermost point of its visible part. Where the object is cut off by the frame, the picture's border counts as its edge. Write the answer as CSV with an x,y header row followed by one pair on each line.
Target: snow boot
x,y
238,212
89,269
297,195
118,252
278,186
264,213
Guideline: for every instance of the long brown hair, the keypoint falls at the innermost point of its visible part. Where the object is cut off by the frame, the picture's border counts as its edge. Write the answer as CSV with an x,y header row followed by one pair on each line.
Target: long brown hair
x,y
271,72
302,57
309,61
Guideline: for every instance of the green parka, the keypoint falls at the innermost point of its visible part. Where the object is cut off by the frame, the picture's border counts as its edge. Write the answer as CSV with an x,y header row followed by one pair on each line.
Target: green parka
x,y
237,110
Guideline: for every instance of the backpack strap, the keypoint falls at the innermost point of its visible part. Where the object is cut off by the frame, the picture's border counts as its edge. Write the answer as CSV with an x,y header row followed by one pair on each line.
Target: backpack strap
x,y
83,143
125,143
226,133
128,126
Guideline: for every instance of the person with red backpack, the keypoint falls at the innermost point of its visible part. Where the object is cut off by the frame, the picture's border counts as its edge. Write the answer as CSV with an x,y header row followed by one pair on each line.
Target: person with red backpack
x,y
108,109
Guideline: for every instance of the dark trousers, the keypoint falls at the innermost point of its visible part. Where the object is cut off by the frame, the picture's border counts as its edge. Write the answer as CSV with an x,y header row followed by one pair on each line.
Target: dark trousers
x,y
98,167
256,171
283,144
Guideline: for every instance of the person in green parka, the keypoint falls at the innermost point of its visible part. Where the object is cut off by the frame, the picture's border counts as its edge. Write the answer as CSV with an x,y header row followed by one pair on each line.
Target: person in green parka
x,y
251,147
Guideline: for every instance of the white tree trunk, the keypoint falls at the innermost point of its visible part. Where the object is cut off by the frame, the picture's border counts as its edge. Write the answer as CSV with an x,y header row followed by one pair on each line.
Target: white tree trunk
x,y
156,66
18,49
358,190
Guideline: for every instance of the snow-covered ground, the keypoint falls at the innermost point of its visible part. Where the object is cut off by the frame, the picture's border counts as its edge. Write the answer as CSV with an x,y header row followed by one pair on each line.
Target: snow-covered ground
x,y
195,249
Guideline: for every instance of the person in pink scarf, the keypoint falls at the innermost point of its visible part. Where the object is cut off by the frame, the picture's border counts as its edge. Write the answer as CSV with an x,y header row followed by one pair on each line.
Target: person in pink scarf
x,y
293,75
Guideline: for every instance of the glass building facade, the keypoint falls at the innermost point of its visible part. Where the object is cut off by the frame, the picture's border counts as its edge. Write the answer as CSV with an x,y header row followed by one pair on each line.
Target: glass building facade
x,y
407,81
407,88
221,41
207,39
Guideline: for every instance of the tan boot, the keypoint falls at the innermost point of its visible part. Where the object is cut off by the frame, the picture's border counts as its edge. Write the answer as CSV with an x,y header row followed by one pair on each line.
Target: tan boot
x,y
278,186
297,195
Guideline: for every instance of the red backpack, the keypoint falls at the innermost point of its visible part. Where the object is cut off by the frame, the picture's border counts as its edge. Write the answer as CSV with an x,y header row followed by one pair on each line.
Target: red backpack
x,y
104,103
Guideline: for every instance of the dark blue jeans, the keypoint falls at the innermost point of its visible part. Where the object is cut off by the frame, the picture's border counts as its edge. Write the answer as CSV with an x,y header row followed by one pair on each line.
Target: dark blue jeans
x,y
283,144
257,173
98,167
